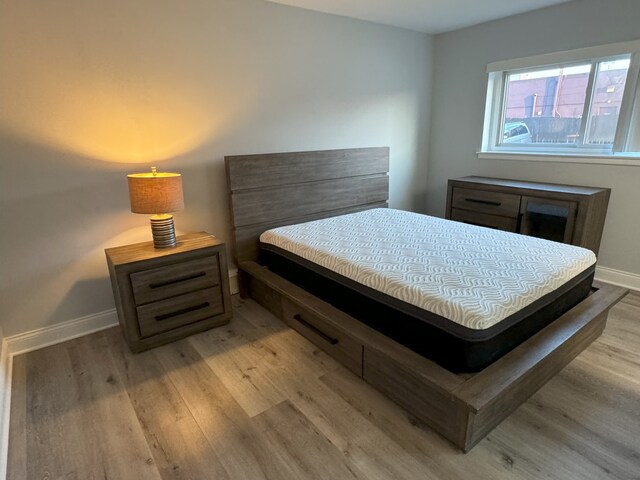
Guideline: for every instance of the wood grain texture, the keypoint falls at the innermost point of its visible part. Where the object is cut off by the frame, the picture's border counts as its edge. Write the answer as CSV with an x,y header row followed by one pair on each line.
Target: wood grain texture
x,y
486,386
165,315
484,219
77,414
179,448
286,201
485,201
271,190
163,295
532,187
406,387
425,389
587,205
272,169
172,280
17,454
337,342
138,252
463,408
584,423
267,285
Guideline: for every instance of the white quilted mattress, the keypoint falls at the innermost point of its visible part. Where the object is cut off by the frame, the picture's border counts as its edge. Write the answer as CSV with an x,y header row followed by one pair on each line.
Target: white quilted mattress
x,y
471,275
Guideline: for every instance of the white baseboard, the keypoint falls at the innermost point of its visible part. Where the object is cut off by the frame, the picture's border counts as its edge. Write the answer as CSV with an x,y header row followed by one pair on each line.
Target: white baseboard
x,y
61,332
618,277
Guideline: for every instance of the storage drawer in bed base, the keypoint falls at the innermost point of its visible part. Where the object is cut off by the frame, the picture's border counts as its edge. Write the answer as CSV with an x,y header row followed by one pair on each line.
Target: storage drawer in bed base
x,y
315,326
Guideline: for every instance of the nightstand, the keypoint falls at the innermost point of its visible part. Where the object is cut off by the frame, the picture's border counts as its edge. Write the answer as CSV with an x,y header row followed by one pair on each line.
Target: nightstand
x,y
162,295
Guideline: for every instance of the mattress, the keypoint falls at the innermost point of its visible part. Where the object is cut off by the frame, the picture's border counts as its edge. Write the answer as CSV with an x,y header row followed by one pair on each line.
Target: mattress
x,y
436,280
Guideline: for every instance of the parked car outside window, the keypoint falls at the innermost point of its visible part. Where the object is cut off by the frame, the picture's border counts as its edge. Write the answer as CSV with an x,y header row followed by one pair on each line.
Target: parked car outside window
x,y
516,132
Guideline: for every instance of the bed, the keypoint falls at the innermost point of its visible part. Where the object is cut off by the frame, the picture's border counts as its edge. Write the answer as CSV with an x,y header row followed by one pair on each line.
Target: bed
x,y
458,294
461,384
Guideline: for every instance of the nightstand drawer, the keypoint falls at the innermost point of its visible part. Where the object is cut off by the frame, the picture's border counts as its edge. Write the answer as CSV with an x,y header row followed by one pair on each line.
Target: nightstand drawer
x,y
494,203
175,279
337,343
176,312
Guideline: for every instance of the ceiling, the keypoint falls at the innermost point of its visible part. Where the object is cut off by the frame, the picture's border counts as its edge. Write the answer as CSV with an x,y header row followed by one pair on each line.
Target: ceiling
x,y
430,16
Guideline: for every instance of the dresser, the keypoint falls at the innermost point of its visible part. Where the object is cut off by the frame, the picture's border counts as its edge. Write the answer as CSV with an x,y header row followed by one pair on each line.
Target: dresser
x,y
165,294
563,213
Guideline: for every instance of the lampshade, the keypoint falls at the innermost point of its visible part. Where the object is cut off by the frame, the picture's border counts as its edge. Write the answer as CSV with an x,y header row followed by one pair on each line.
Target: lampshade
x,y
155,192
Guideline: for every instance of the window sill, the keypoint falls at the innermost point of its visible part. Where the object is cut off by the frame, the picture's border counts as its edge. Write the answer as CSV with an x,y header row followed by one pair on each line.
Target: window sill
x,y
619,159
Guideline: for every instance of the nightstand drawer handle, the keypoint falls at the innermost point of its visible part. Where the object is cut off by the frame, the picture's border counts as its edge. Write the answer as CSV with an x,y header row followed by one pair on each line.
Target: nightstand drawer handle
x,y
182,311
484,202
177,280
315,329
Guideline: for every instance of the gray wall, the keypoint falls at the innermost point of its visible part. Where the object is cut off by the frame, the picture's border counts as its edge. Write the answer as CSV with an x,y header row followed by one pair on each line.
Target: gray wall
x,y
458,103
93,90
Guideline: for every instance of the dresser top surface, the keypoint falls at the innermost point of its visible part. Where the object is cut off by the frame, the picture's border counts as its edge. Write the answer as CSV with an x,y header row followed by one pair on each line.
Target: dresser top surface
x,y
546,187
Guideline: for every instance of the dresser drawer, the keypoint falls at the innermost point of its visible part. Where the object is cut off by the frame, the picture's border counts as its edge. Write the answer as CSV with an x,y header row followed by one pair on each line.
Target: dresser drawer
x,y
175,279
179,311
484,220
494,203
344,348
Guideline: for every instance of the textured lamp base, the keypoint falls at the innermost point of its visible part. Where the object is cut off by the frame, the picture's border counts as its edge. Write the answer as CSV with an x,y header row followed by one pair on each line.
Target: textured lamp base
x,y
164,233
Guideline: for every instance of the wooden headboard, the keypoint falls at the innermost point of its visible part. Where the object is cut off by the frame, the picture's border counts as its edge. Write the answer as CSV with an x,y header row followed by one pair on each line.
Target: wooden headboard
x,y
276,189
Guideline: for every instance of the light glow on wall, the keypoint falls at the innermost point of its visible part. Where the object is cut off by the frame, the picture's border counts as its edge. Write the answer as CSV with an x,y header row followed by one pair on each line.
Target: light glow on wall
x,y
114,88
136,125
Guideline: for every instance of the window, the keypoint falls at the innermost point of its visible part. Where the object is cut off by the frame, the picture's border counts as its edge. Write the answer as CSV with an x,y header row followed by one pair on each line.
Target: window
x,y
579,102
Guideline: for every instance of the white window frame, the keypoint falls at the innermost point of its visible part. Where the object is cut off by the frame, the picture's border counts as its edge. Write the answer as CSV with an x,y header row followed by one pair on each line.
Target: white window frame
x,y
627,138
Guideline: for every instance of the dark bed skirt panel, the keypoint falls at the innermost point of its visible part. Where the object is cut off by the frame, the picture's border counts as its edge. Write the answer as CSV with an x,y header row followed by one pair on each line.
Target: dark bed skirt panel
x,y
447,349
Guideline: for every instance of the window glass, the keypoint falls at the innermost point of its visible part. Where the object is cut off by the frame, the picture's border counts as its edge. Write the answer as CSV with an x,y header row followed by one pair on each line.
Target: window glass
x,y
550,102
578,103
609,85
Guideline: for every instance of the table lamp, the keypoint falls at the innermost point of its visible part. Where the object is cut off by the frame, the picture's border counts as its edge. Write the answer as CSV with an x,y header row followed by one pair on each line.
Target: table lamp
x,y
157,193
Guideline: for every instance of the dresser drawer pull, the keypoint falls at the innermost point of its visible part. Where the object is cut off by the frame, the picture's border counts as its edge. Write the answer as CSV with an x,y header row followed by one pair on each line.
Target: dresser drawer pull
x,y
182,311
484,202
177,280
331,340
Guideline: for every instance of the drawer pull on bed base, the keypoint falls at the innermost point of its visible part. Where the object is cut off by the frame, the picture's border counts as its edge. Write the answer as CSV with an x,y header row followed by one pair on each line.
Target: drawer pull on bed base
x,y
182,311
331,340
484,202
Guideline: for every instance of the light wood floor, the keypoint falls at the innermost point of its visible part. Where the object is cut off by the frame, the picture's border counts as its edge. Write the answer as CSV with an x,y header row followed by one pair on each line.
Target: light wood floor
x,y
254,400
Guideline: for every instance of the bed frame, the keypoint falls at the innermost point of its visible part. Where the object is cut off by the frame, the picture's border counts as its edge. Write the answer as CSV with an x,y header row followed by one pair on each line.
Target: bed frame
x,y
272,190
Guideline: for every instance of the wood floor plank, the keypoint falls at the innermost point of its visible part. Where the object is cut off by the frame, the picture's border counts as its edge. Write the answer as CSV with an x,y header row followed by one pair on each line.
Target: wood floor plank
x,y
57,443
182,452
90,409
17,454
282,339
300,448
107,413
590,446
532,442
441,457
179,447
592,400
365,446
77,417
222,420
241,365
